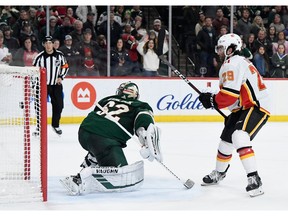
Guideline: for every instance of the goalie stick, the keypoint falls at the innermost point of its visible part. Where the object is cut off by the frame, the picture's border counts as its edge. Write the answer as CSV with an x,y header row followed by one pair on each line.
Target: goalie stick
x,y
164,60
188,183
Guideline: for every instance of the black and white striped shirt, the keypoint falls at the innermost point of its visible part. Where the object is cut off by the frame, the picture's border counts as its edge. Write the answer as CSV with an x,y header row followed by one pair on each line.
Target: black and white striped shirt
x,y
56,65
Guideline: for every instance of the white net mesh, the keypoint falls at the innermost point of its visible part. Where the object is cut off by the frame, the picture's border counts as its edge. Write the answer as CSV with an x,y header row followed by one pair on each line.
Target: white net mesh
x,y
20,152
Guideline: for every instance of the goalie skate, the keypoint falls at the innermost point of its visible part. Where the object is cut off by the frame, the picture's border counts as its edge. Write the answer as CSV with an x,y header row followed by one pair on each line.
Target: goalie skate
x,y
254,186
214,177
73,184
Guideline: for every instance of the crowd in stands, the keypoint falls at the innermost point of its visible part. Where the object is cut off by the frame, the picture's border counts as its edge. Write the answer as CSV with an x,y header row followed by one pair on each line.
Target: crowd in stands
x,y
263,29
80,32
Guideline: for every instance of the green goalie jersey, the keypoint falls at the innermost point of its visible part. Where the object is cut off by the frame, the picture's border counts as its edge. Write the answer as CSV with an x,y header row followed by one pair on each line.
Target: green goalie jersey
x,y
130,113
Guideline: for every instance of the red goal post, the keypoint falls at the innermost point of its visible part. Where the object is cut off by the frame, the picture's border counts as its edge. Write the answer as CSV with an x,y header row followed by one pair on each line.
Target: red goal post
x,y
23,157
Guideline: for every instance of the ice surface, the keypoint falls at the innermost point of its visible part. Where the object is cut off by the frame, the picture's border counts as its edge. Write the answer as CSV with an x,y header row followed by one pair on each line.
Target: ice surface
x,y
189,150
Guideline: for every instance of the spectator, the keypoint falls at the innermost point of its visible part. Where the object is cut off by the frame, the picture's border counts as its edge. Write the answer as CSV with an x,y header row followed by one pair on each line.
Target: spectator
x,y
162,37
279,62
9,15
101,40
245,51
61,10
138,31
219,21
130,45
103,17
90,24
262,61
115,30
250,43
120,11
262,40
82,12
53,11
191,18
272,36
77,34
236,29
56,43
206,39
5,55
90,53
41,18
280,40
279,26
127,19
25,54
257,25
26,31
136,11
198,27
223,31
147,48
200,23
65,29
18,24
53,29
33,19
70,15
72,55
120,61
244,23
273,11
11,43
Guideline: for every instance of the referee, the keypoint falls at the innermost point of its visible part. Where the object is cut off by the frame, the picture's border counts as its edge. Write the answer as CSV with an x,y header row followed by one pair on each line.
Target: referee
x,y
56,69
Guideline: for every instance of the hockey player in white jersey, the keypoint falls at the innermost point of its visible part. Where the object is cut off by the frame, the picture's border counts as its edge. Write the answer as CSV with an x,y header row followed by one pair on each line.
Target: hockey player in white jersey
x,y
243,91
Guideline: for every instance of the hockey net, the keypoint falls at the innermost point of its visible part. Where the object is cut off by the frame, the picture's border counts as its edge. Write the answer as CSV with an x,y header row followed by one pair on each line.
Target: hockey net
x,y
23,157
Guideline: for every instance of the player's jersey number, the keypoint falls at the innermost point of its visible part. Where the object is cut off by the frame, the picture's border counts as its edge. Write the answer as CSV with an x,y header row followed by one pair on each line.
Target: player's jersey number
x,y
229,76
116,111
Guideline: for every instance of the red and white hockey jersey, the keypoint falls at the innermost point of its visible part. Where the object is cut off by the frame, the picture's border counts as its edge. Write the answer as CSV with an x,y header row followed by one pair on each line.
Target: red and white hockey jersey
x,y
241,86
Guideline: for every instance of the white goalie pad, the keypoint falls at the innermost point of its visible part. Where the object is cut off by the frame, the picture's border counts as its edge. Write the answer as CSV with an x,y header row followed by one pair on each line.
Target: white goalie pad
x,y
112,179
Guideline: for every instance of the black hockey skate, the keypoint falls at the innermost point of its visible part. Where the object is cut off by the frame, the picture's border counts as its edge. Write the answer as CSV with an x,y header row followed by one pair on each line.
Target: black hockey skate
x,y
57,130
214,177
254,186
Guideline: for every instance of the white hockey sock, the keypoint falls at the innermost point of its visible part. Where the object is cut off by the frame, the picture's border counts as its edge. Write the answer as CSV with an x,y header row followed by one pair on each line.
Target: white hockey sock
x,y
248,159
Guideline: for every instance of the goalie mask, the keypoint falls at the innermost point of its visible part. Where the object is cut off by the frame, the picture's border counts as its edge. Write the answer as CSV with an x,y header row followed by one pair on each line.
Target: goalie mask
x,y
228,41
128,90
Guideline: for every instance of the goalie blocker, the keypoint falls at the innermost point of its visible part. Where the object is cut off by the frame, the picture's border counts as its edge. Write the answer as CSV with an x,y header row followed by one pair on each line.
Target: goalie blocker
x,y
105,179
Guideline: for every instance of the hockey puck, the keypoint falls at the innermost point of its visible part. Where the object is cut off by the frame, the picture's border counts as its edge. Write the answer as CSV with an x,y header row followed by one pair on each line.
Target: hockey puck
x,y
189,184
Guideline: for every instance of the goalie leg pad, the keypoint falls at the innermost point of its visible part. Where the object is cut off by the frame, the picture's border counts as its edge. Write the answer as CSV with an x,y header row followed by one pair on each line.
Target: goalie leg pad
x,y
72,184
113,179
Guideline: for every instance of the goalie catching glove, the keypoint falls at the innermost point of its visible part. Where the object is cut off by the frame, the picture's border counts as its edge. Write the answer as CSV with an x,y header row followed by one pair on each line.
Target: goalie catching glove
x,y
208,100
150,140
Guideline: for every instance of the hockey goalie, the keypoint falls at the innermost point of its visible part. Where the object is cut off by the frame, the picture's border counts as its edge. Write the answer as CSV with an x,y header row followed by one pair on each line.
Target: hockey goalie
x,y
105,168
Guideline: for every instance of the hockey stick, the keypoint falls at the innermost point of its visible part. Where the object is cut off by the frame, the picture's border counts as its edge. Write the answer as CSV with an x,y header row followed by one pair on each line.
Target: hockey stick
x,y
163,59
188,183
